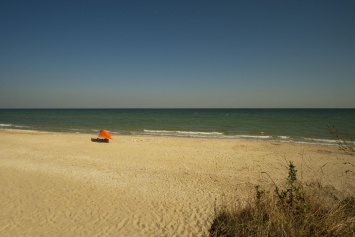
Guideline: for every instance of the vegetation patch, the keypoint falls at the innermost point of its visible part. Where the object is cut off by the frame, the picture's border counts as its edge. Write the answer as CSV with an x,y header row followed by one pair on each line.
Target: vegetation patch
x,y
291,211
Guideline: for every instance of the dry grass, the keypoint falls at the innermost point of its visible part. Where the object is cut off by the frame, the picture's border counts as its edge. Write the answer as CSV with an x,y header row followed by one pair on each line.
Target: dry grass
x,y
295,211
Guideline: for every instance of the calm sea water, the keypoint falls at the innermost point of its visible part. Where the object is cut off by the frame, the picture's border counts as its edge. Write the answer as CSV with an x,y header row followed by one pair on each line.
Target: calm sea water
x,y
298,125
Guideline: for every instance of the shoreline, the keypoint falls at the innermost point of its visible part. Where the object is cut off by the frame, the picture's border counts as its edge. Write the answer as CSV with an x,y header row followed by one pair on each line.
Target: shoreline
x,y
62,184
175,134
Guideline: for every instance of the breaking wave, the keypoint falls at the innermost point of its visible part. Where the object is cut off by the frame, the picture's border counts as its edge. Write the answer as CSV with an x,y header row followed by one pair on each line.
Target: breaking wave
x,y
250,137
182,133
200,134
5,125
247,137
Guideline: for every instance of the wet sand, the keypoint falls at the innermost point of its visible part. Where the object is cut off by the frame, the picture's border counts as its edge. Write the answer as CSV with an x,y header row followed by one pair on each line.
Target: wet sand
x,y
59,184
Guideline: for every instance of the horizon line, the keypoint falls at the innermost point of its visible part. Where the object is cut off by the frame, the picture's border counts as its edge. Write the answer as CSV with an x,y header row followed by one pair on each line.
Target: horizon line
x,y
142,108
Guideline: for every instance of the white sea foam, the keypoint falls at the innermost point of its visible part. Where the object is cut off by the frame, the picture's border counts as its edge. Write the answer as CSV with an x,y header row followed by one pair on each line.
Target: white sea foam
x,y
157,131
283,137
199,133
17,126
252,137
12,125
5,125
182,133
321,140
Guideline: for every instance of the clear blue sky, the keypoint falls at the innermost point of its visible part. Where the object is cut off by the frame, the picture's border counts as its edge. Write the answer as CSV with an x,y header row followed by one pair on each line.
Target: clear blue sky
x,y
177,54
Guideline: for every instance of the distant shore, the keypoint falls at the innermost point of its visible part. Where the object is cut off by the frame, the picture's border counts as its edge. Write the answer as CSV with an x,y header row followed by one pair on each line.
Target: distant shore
x,y
62,184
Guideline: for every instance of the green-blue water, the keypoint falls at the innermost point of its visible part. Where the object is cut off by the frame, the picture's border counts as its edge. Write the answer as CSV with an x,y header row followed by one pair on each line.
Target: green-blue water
x,y
300,125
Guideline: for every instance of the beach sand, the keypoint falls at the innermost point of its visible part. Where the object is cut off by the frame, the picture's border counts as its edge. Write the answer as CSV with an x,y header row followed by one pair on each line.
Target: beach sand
x,y
59,184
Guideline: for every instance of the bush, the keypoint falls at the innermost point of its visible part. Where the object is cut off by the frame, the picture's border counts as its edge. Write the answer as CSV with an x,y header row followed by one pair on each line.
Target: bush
x,y
290,212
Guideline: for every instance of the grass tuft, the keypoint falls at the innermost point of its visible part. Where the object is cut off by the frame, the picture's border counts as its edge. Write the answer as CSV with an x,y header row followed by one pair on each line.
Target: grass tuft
x,y
294,211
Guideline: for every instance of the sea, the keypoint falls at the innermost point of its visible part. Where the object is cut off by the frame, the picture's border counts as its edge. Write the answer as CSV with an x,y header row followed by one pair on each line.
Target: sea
x,y
287,125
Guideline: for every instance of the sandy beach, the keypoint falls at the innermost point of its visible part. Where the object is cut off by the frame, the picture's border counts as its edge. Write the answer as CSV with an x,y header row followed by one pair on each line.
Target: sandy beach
x,y
60,184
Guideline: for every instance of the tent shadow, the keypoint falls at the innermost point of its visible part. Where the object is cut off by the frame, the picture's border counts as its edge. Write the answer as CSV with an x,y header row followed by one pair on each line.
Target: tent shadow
x,y
100,140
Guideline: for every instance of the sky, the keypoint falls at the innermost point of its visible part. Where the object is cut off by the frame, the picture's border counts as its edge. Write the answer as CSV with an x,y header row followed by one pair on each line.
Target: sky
x,y
177,54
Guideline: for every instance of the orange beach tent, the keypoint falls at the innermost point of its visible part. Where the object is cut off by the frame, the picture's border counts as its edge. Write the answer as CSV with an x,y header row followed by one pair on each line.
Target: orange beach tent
x,y
104,134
